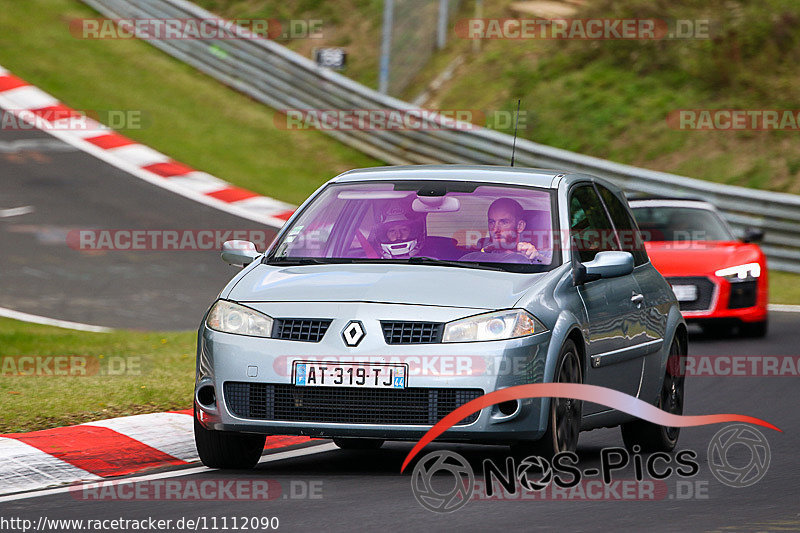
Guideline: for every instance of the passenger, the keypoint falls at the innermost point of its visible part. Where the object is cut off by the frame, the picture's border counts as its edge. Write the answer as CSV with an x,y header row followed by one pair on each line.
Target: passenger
x,y
399,235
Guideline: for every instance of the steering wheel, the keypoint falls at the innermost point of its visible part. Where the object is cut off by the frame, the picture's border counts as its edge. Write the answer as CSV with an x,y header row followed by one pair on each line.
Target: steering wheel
x,y
510,256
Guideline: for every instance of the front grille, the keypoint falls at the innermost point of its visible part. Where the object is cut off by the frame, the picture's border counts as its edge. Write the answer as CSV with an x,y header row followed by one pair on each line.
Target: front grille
x,y
412,332
743,294
705,292
300,329
346,405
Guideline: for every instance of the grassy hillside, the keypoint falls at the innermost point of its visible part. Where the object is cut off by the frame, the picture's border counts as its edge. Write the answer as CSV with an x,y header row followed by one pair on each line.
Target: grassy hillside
x,y
611,98
188,115
351,24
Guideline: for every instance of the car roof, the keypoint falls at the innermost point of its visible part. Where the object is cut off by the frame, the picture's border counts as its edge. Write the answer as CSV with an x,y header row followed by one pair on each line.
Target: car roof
x,y
671,202
482,173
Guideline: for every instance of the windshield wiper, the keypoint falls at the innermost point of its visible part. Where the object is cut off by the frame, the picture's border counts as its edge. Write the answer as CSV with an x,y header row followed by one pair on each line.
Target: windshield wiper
x,y
424,260
295,261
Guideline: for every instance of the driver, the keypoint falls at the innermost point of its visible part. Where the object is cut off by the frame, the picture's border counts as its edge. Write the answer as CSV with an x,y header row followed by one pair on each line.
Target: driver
x,y
506,223
400,235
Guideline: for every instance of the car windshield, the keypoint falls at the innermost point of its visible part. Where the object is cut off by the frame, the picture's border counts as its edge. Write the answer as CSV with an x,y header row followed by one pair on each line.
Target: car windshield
x,y
462,224
672,223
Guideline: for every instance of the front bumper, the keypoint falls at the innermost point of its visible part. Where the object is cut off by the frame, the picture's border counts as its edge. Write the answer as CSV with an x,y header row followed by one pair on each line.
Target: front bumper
x,y
719,299
487,366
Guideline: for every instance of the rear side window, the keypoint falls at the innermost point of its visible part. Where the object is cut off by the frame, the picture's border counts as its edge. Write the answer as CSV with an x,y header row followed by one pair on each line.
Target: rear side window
x,y
627,232
589,227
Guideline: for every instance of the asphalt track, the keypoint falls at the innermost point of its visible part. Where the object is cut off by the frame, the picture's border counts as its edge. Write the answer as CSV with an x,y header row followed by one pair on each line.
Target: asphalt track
x,y
366,491
42,274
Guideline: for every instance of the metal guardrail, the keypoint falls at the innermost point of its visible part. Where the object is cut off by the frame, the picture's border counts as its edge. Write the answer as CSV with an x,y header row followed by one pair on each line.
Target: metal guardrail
x,y
282,79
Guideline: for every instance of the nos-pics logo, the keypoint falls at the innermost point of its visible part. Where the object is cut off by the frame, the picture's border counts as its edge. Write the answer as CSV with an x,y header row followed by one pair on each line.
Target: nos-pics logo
x,y
447,493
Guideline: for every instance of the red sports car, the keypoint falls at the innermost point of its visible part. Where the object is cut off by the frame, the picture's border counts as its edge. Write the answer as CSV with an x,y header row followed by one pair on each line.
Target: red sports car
x,y
720,282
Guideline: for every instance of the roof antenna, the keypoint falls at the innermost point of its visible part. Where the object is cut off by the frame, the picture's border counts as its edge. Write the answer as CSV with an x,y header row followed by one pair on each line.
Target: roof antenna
x,y
514,145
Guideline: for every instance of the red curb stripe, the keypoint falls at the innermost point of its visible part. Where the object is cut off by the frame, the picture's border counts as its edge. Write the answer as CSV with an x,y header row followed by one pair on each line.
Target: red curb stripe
x,y
101,451
110,140
169,169
55,112
9,82
285,215
189,412
232,194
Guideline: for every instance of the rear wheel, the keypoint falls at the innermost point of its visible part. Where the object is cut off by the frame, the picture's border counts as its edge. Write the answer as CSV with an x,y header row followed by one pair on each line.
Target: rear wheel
x,y
564,418
753,329
652,437
227,449
349,443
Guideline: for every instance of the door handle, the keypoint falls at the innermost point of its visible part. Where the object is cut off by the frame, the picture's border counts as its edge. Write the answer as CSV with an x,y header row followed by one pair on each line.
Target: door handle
x,y
637,299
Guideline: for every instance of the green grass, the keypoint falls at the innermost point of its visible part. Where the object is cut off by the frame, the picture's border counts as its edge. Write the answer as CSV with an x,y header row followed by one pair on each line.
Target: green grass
x,y
188,115
784,288
611,98
158,375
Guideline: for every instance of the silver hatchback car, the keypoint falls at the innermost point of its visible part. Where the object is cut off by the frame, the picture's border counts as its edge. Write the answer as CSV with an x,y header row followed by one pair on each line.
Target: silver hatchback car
x,y
395,295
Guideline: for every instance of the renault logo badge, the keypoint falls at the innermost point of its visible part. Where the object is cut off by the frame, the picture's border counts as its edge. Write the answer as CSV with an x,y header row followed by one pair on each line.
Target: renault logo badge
x,y
353,332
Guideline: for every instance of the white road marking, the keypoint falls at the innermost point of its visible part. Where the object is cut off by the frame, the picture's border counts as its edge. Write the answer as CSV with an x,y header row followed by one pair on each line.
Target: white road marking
x,y
16,211
311,450
784,308
36,319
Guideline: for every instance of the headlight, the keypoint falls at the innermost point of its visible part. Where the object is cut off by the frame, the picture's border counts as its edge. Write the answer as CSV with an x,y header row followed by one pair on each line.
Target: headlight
x,y
494,326
744,272
229,317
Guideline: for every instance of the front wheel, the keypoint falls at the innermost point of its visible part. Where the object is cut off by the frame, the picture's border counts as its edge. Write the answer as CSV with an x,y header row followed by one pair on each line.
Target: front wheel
x,y
753,329
227,449
564,417
652,437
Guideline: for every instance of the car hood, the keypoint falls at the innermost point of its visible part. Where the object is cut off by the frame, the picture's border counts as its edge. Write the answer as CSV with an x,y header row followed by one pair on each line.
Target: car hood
x,y
700,258
402,284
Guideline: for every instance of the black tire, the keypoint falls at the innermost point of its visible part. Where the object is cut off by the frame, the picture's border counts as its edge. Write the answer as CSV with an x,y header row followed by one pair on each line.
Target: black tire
x,y
564,419
349,443
753,329
717,330
227,449
652,437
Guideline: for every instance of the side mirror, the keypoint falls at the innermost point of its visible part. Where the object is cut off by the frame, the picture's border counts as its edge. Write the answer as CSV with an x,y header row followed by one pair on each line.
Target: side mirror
x,y
604,265
238,253
753,235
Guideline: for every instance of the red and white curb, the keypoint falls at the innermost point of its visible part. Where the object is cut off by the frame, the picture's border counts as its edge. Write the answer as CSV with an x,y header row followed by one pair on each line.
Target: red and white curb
x,y
102,449
29,104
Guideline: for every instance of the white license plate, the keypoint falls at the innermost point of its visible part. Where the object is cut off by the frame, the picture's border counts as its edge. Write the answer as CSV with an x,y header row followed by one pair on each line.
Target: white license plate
x,y
685,293
362,375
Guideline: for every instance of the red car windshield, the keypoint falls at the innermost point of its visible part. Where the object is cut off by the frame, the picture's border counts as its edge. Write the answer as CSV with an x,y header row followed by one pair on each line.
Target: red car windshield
x,y
423,222
672,223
